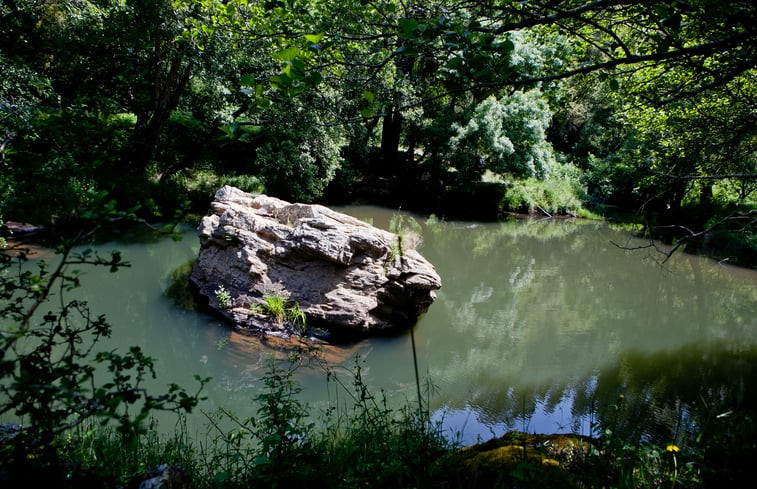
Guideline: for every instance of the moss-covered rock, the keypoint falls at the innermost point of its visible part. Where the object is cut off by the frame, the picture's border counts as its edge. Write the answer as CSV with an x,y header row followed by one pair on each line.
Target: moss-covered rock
x,y
516,460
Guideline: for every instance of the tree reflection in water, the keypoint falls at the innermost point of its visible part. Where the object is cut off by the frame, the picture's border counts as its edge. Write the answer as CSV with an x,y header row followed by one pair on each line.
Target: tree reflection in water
x,y
549,320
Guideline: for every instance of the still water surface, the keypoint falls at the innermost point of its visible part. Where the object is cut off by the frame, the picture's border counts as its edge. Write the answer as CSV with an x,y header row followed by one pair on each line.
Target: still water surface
x,y
539,326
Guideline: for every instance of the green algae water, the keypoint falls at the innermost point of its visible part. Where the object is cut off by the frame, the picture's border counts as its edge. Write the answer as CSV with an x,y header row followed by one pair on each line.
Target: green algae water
x,y
540,326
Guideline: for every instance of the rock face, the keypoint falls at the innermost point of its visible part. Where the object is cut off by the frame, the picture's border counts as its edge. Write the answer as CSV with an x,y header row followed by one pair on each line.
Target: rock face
x,y
348,277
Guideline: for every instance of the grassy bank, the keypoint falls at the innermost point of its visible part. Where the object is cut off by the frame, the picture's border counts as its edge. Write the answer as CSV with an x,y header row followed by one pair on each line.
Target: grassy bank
x,y
366,443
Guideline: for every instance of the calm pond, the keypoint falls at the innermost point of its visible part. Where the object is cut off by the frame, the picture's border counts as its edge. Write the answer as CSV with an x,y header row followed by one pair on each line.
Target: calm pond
x,y
540,326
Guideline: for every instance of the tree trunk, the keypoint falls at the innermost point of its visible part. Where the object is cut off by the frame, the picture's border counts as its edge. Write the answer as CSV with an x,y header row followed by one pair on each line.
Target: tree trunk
x,y
150,122
390,139
705,193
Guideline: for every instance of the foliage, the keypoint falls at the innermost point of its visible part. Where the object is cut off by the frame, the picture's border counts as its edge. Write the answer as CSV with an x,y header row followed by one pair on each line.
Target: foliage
x,y
693,145
560,192
370,441
140,98
300,154
103,454
3,240
223,297
206,182
623,461
275,304
507,136
53,377
360,440
278,306
272,448
297,317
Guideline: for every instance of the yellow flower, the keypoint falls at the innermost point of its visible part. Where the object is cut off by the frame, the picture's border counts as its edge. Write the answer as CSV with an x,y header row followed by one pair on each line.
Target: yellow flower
x,y
672,448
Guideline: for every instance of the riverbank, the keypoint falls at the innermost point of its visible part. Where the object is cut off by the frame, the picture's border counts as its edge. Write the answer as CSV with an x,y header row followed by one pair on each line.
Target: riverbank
x,y
366,444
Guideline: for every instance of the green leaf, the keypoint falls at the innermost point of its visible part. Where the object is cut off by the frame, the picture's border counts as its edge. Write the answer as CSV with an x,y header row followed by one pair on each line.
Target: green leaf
x,y
507,46
314,38
369,96
455,63
314,78
368,112
674,21
281,80
298,69
247,80
663,45
287,54
482,73
407,26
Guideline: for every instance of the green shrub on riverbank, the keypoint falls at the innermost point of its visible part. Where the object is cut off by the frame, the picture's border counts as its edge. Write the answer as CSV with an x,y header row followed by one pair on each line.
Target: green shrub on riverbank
x,y
560,192
363,443
366,443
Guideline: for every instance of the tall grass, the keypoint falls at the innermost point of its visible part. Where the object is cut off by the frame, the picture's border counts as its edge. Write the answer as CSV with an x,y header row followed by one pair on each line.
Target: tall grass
x,y
363,441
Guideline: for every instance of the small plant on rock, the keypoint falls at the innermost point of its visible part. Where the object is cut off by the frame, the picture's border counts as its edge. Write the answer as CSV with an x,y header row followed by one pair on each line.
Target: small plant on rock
x,y
408,233
275,304
280,309
297,317
223,297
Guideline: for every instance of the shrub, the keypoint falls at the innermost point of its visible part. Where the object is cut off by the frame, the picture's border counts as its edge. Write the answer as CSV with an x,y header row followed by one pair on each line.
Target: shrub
x,y
507,134
280,309
560,192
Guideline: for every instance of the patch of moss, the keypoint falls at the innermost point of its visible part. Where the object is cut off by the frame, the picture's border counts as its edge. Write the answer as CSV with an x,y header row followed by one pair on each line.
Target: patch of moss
x,y
516,459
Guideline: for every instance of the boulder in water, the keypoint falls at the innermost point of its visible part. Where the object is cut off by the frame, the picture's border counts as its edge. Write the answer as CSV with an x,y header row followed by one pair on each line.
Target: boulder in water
x,y
341,275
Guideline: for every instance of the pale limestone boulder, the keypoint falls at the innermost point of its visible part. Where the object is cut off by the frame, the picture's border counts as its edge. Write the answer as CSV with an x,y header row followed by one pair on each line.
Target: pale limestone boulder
x,y
348,277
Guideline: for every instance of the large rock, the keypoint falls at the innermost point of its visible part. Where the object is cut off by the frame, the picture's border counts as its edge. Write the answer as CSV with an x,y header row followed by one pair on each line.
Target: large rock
x,y
348,277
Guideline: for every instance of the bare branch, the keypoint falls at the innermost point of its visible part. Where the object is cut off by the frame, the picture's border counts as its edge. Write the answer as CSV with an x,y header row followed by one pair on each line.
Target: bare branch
x,y
750,217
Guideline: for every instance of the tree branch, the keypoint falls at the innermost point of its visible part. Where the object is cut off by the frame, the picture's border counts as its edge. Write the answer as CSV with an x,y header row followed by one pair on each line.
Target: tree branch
x,y
750,217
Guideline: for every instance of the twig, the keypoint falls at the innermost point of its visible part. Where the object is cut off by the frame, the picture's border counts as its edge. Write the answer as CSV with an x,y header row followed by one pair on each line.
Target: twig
x,y
692,235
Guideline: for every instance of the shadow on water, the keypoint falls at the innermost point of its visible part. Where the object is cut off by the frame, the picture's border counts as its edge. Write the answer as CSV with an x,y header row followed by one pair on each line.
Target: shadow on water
x,y
657,398
669,395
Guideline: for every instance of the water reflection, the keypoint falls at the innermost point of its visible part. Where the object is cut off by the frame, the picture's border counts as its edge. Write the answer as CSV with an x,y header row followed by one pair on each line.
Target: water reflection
x,y
539,326
544,317
664,385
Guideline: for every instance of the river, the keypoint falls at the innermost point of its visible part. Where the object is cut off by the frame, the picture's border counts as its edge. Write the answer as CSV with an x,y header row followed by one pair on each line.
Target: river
x,y
540,326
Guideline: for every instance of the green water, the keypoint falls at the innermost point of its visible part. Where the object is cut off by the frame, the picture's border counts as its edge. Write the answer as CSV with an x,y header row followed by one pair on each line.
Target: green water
x,y
539,326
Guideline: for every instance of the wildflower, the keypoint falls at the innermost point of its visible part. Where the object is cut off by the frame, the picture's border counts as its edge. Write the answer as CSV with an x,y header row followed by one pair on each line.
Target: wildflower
x,y
672,448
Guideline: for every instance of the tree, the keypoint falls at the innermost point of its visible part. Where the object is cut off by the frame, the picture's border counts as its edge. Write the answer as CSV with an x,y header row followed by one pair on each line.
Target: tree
x,y
450,47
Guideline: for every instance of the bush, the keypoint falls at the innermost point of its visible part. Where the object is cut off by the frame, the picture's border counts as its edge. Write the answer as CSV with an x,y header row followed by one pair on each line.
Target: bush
x,y
283,444
69,156
560,192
